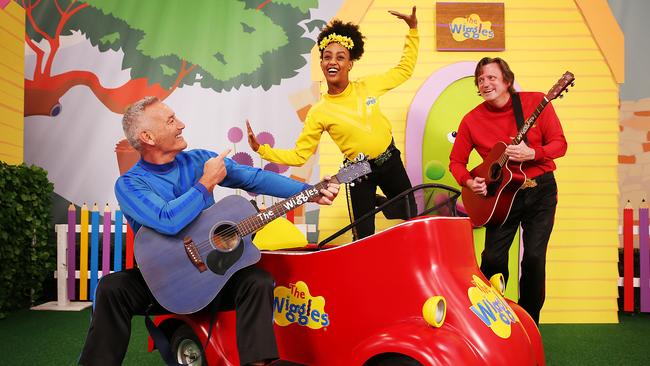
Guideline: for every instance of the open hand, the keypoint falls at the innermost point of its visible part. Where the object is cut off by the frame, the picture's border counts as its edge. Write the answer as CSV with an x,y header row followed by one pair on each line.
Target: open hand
x,y
252,140
411,20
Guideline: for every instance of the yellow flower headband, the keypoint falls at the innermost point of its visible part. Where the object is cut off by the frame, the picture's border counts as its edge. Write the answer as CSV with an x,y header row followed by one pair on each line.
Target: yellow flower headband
x,y
333,37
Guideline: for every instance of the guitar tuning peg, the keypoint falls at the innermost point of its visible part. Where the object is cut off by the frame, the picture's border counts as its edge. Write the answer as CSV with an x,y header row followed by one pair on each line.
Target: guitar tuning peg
x,y
573,83
567,90
561,96
351,184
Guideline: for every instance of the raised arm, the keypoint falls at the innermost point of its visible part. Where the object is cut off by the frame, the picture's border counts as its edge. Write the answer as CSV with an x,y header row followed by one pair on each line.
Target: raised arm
x,y
304,148
392,78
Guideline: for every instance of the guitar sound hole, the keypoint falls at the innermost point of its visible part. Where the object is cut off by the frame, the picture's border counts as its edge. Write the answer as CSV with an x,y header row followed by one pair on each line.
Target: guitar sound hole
x,y
495,172
224,238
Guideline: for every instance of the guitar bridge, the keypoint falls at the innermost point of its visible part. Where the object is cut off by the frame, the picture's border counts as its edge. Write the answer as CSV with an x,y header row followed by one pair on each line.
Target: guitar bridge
x,y
193,254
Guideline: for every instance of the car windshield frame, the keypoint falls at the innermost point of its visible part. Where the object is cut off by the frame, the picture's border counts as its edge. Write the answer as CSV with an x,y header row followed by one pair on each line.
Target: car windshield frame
x,y
421,195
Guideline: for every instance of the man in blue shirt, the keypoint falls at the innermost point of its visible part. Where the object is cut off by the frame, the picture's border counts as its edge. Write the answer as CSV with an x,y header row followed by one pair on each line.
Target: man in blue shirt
x,y
165,191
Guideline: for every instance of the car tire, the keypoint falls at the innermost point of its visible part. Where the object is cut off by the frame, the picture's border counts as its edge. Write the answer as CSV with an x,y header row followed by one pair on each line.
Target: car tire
x,y
392,359
186,347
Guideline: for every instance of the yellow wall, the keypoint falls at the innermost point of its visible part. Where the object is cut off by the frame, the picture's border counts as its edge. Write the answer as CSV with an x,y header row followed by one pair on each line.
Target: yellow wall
x,y
12,31
543,40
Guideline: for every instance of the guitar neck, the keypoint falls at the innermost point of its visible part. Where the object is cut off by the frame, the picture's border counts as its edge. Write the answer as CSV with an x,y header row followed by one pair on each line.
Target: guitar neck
x,y
256,222
529,122
524,129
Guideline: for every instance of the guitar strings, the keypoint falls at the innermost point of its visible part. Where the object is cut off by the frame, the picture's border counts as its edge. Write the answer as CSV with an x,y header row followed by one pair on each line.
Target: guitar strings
x,y
233,230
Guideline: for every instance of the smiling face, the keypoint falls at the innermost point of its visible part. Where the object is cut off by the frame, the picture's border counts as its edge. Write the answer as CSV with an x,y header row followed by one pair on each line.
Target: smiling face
x,y
162,134
491,85
336,65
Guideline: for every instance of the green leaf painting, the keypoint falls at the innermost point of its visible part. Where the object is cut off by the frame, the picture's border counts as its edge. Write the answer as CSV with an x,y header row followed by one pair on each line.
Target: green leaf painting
x,y
229,43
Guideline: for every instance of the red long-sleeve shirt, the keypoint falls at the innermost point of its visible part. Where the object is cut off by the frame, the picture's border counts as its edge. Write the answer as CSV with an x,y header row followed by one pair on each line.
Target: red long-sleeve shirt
x,y
486,125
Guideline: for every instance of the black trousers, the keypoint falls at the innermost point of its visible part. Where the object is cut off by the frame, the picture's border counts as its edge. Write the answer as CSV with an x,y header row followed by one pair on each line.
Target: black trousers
x,y
121,295
533,209
391,177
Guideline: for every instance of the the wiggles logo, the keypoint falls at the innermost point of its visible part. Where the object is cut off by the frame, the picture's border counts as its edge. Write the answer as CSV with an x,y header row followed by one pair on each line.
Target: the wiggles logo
x,y
471,27
295,305
491,308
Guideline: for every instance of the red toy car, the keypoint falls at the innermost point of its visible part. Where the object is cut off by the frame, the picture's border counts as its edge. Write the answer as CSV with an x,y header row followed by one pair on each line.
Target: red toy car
x,y
409,295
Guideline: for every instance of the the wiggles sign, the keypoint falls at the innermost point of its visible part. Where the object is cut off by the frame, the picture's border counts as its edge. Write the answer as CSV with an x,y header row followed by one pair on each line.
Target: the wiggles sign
x,y
471,27
295,305
489,306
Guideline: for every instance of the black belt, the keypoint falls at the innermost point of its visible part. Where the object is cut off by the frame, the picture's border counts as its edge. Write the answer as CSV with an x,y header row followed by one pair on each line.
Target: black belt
x,y
383,157
534,182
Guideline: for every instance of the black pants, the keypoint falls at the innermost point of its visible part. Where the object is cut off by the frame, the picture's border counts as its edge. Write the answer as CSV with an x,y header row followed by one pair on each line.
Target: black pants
x,y
391,177
534,209
122,295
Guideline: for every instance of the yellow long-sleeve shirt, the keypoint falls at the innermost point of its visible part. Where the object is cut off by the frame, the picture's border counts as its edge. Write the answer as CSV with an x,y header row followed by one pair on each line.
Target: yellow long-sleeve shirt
x,y
352,118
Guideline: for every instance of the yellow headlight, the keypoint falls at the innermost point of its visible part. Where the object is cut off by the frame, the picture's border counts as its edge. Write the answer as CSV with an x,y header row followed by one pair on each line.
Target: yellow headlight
x,y
499,283
434,311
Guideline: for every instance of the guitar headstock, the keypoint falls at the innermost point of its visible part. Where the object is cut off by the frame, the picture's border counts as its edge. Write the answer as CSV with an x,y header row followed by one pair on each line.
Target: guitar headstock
x,y
353,170
561,86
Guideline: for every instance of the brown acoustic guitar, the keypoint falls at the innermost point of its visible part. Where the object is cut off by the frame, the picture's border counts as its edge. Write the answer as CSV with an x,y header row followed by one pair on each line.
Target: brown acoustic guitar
x,y
503,177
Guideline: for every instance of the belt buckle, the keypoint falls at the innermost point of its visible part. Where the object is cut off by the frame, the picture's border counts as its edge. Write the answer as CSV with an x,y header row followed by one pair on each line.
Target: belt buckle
x,y
529,183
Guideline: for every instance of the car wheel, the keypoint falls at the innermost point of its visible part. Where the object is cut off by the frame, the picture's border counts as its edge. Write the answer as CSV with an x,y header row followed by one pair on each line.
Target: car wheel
x,y
392,359
187,348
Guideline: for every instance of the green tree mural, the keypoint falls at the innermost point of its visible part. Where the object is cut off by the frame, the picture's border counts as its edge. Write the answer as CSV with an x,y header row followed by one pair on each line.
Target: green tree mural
x,y
219,44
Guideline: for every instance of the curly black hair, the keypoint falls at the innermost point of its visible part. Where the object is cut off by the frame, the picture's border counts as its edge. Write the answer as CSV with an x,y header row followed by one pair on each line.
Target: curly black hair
x,y
344,29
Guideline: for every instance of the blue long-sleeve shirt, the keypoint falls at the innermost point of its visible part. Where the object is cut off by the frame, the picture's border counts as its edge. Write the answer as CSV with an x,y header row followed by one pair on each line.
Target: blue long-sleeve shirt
x,y
168,197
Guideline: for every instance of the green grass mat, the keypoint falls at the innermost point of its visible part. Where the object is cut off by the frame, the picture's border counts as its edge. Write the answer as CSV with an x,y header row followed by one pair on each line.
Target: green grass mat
x,y
55,338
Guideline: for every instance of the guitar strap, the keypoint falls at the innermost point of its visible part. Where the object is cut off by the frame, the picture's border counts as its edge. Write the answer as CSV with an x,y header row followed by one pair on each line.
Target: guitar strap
x,y
519,113
160,341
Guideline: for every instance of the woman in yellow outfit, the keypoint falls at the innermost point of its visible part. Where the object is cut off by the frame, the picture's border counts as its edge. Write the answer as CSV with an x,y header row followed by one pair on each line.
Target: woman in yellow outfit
x,y
350,113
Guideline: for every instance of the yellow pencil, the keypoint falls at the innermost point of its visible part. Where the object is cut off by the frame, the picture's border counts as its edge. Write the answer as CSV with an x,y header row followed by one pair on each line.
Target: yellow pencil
x,y
83,254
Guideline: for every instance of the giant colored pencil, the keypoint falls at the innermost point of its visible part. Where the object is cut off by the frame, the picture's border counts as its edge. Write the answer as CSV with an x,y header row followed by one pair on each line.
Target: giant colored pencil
x,y
628,258
94,250
72,251
106,242
129,246
644,258
83,254
117,252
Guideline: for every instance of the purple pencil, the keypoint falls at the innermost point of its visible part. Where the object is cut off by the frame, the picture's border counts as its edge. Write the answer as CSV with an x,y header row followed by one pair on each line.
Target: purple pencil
x,y
106,242
72,254
644,258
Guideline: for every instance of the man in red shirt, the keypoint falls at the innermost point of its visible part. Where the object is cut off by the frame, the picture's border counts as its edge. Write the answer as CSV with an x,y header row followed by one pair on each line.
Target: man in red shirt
x,y
534,205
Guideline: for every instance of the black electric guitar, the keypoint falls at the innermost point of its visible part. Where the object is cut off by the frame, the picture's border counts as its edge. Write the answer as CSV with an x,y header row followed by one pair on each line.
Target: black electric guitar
x,y
502,176
186,271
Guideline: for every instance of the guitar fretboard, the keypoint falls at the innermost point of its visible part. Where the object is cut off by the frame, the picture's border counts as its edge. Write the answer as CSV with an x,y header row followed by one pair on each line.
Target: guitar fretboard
x,y
256,222
524,129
